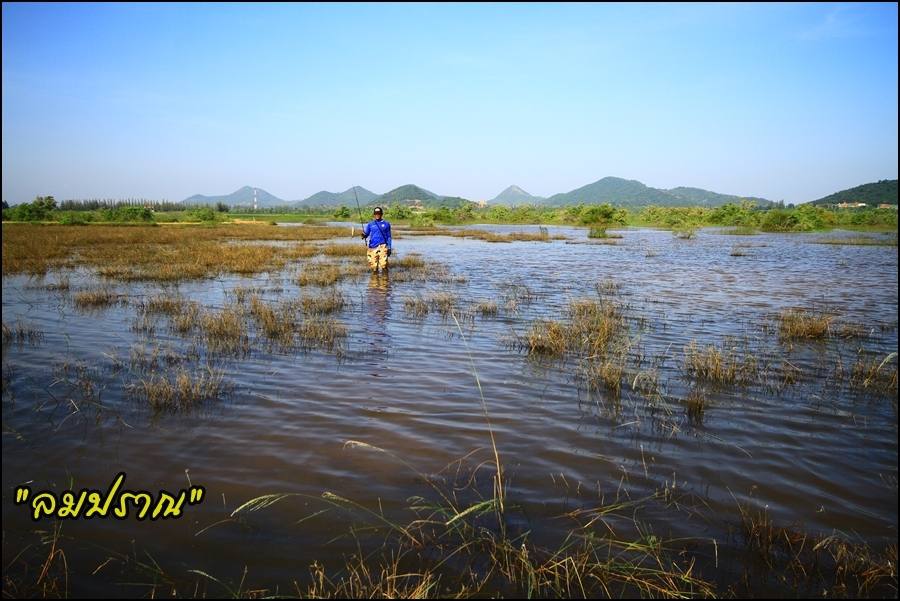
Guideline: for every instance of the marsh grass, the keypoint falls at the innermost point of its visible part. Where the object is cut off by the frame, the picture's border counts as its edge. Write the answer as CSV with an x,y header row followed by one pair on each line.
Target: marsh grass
x,y
98,298
739,250
827,566
487,308
547,338
444,303
799,324
695,404
875,375
722,365
607,287
145,358
416,307
21,333
184,391
321,332
345,250
319,274
542,235
277,323
408,261
606,374
225,331
242,294
684,233
331,301
591,329
859,241
62,284
600,233
167,253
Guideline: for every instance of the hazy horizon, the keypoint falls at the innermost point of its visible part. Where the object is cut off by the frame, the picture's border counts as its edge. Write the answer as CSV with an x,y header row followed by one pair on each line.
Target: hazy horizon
x,y
785,102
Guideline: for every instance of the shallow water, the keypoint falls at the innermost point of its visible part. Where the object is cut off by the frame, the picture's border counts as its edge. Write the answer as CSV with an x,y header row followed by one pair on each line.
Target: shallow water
x,y
816,454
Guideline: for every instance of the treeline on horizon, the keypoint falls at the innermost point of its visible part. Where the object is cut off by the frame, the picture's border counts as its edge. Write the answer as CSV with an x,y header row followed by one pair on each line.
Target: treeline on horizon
x,y
778,218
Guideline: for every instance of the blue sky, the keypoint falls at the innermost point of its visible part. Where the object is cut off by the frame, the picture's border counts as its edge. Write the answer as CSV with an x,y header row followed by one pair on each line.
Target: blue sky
x,y
787,102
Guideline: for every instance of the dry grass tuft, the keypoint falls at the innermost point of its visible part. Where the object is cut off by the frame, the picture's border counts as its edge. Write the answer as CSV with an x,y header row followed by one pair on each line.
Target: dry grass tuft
x,y
487,308
720,365
184,392
319,274
321,332
796,324
443,302
321,304
20,333
97,298
224,331
416,307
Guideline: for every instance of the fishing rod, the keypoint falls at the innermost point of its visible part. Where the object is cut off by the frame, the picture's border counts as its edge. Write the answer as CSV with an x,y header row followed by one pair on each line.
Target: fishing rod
x,y
359,210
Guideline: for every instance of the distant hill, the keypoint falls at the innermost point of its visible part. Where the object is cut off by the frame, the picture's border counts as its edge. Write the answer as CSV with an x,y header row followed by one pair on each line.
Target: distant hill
x,y
404,194
874,194
241,196
514,195
701,197
336,199
632,193
415,196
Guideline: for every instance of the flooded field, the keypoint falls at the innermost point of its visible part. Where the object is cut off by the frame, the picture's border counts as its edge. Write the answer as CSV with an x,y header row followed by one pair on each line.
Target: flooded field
x,y
706,416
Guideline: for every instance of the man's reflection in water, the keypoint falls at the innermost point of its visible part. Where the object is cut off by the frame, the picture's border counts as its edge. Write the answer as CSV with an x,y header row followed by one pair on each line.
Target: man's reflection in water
x,y
378,312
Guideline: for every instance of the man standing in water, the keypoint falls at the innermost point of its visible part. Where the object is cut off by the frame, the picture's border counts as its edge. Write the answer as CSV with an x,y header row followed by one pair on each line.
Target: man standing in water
x,y
378,231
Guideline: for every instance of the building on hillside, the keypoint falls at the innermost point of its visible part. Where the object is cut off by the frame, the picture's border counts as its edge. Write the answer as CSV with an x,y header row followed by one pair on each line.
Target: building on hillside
x,y
851,205
887,206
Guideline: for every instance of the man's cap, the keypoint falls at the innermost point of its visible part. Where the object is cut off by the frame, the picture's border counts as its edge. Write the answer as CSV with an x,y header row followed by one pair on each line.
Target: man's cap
x,y
378,210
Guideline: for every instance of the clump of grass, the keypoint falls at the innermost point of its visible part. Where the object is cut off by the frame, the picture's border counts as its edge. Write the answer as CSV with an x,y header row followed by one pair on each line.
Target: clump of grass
x,y
720,365
165,304
62,284
277,324
319,274
329,302
144,324
592,328
598,232
184,392
409,261
96,298
549,338
606,374
185,320
739,250
145,358
321,332
443,302
684,233
695,405
594,325
242,294
487,308
874,375
607,286
224,331
416,307
20,333
345,250
796,324
830,565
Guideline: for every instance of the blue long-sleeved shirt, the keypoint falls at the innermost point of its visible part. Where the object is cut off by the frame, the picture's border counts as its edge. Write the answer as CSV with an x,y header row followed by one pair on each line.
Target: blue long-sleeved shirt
x,y
378,232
